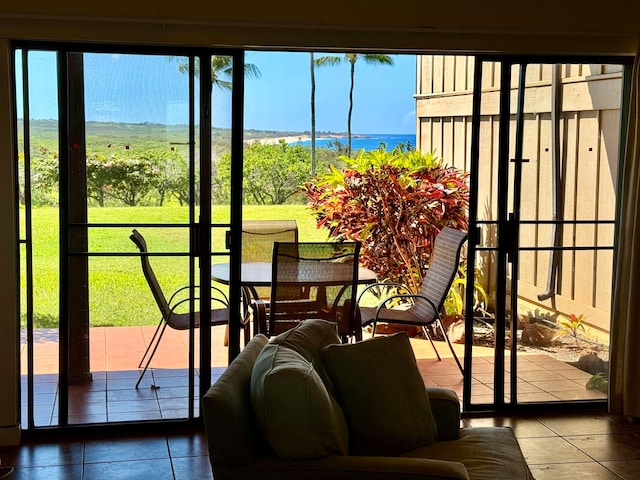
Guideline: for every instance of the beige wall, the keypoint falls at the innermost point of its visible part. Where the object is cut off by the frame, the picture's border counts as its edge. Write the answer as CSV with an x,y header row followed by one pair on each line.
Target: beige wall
x,y
9,324
546,26
590,130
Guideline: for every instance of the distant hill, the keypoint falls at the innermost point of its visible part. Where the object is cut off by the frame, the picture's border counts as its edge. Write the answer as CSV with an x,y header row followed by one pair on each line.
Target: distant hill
x,y
106,136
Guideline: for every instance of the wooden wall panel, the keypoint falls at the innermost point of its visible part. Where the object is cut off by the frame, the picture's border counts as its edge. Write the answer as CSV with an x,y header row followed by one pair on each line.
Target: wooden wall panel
x,y
438,69
529,191
459,155
544,201
471,65
447,139
586,183
590,143
449,73
460,77
570,153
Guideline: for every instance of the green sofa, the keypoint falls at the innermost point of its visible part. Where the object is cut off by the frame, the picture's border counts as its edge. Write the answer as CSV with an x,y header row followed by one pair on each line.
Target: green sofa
x,y
246,443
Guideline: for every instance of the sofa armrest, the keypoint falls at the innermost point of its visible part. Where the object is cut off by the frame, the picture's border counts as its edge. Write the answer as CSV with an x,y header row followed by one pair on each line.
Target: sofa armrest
x,y
348,468
445,406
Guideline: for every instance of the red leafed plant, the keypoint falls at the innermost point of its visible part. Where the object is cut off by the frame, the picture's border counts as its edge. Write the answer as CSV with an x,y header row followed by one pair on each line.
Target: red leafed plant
x,y
395,203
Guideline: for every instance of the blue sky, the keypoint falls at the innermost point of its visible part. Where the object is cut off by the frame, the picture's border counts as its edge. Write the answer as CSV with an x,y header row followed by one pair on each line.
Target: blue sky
x,y
136,88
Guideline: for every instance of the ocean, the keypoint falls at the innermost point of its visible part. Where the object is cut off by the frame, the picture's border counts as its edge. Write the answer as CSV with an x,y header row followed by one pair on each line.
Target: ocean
x,y
367,142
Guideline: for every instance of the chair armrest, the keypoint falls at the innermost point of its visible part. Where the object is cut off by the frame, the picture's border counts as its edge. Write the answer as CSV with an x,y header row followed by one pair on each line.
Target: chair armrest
x,y
445,407
259,308
380,284
349,468
224,300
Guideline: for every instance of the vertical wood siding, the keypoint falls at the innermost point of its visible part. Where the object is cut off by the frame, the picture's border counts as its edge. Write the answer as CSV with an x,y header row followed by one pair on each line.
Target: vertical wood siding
x,y
589,130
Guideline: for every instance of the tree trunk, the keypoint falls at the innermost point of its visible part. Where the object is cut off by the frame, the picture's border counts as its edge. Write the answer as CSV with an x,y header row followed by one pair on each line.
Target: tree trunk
x,y
313,115
353,72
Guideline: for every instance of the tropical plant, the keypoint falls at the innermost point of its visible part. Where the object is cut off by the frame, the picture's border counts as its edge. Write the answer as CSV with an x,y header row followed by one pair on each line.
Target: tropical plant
x,y
454,303
395,203
221,70
599,382
570,326
352,59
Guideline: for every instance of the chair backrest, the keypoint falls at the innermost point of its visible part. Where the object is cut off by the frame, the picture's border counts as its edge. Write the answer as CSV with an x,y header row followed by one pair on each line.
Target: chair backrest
x,y
328,273
137,238
258,237
445,260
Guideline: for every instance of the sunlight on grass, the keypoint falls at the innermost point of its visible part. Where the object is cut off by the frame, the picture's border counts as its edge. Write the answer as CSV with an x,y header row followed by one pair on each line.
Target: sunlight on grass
x,y
118,292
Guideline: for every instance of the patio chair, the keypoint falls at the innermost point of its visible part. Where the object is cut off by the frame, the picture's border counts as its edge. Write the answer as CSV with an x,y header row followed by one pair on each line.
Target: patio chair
x,y
427,304
169,309
258,237
326,274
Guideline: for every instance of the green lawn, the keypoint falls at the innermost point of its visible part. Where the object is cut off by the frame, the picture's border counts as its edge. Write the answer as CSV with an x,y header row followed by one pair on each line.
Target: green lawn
x,y
118,292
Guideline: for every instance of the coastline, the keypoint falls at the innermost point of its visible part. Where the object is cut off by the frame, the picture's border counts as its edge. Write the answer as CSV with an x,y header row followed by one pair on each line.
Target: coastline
x,y
276,140
299,138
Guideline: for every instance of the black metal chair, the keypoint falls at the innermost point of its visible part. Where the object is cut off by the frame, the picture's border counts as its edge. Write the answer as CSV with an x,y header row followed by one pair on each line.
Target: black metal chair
x,y
427,304
169,309
311,280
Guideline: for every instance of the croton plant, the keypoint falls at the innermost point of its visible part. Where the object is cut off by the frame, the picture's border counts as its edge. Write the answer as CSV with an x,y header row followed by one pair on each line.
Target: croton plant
x,y
395,203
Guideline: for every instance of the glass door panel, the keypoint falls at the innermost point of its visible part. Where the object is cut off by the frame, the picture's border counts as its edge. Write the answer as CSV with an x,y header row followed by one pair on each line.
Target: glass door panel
x,y
115,146
543,206
567,216
37,127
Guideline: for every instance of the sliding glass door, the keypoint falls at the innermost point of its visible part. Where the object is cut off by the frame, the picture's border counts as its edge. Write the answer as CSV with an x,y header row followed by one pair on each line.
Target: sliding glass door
x,y
114,142
545,149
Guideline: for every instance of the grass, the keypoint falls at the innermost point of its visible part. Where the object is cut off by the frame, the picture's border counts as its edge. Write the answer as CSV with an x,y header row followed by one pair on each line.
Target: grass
x,y
118,292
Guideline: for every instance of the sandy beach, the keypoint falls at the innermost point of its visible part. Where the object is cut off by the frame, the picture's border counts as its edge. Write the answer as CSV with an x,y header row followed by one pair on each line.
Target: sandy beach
x,y
276,140
288,139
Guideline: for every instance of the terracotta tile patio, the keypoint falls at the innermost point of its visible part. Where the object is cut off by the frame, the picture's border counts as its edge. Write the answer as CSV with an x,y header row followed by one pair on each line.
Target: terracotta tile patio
x,y
116,351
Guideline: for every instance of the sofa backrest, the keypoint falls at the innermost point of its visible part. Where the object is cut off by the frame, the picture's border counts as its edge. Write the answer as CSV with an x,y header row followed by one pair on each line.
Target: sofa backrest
x,y
232,436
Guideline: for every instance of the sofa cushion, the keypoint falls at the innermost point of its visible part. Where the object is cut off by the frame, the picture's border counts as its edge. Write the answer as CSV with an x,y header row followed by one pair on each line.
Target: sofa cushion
x,y
309,337
488,453
293,410
383,396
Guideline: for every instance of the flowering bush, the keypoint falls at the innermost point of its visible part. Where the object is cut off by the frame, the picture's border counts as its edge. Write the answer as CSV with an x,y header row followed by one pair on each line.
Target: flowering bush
x,y
395,203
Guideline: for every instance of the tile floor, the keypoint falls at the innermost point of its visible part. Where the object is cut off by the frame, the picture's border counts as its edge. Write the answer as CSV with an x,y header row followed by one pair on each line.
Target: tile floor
x,y
116,351
582,446
585,446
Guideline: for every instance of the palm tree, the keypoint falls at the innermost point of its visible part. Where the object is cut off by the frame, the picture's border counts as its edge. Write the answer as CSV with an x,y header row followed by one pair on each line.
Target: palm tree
x,y
221,70
352,58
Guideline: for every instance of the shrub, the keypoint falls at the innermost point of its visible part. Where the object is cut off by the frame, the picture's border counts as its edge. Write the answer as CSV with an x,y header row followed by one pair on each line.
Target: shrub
x,y
395,203
127,177
273,174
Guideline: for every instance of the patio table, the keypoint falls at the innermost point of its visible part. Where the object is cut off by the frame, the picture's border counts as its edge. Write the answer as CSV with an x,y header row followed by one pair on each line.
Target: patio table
x,y
258,274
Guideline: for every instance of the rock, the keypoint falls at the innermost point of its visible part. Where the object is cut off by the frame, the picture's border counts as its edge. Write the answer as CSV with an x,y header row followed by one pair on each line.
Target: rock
x,y
523,321
590,362
537,335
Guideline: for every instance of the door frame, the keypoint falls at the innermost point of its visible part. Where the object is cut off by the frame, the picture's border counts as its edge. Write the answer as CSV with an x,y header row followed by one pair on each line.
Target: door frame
x,y
200,228
508,222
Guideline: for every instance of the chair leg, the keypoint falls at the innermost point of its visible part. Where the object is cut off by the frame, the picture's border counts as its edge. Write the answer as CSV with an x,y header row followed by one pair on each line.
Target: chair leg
x,y
247,331
150,343
446,337
426,332
153,352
